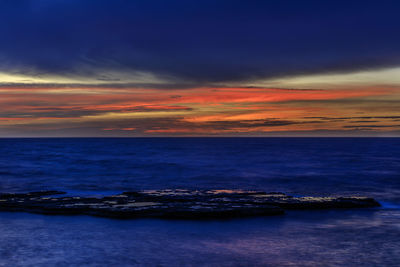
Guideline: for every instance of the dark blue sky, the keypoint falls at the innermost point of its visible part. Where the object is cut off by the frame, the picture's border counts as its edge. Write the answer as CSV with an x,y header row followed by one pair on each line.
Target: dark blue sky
x,y
200,41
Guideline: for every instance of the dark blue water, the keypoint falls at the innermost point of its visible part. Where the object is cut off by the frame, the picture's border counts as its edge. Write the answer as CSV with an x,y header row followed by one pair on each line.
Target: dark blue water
x,y
300,166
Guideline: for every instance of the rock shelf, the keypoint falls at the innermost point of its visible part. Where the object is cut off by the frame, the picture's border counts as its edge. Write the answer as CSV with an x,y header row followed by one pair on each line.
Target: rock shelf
x,y
175,204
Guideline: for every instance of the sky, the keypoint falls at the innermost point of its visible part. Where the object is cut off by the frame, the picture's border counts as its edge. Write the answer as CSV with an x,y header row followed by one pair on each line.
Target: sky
x,y
122,68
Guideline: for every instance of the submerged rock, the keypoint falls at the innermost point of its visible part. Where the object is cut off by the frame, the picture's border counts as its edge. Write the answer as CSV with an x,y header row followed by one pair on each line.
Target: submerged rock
x,y
179,203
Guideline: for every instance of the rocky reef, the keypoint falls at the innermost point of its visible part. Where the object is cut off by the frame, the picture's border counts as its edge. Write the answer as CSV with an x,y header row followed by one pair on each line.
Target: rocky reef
x,y
175,204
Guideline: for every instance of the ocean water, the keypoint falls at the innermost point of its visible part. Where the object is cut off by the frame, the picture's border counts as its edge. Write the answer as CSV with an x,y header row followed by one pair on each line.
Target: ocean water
x,y
298,166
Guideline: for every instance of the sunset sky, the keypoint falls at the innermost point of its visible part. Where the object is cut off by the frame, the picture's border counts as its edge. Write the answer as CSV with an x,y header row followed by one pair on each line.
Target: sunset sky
x,y
199,68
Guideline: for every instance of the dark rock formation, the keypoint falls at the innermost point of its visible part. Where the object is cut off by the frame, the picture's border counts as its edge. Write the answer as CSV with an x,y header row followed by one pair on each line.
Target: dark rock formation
x,y
179,203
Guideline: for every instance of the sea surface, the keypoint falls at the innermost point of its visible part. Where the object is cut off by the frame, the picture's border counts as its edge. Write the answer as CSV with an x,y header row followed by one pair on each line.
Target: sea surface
x,y
297,166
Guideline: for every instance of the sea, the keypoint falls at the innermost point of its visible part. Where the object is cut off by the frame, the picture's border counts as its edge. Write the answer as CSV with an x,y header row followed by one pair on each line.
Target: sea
x,y
296,166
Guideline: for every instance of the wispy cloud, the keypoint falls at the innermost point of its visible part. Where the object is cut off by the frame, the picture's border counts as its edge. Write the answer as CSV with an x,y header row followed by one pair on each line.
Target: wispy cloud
x,y
196,111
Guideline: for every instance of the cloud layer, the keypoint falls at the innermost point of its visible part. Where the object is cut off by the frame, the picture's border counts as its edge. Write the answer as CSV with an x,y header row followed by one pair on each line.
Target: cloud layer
x,y
199,42
197,111
155,67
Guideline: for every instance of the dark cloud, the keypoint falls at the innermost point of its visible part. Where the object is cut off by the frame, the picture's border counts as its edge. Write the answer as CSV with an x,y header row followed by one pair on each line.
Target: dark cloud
x,y
359,119
363,121
128,85
329,118
227,125
365,118
371,126
197,41
76,112
121,85
144,127
145,124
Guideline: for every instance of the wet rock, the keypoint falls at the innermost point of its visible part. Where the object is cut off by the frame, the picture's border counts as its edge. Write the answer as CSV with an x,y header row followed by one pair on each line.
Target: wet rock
x,y
177,204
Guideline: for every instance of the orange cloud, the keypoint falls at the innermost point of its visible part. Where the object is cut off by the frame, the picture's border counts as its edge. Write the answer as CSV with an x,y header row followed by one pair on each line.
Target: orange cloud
x,y
197,110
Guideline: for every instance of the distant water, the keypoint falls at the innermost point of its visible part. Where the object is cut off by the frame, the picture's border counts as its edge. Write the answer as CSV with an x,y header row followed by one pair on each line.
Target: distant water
x,y
298,166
